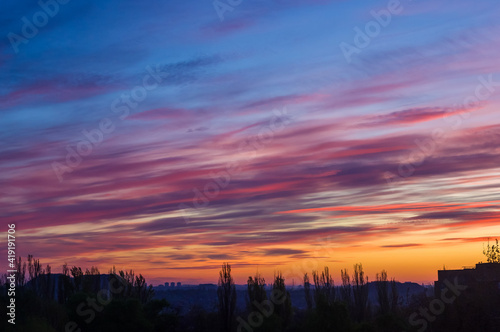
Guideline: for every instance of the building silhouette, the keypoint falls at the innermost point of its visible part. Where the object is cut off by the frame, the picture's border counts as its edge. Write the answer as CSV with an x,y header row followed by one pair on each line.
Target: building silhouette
x,y
482,276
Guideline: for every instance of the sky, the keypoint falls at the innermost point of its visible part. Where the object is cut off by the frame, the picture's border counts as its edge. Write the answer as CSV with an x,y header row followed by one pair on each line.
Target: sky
x,y
172,136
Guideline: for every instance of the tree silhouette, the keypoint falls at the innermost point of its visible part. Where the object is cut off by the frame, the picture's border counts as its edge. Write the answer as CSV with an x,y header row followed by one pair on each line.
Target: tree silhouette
x,y
128,278
77,274
48,283
492,252
394,296
324,290
307,291
328,314
65,269
226,293
345,289
141,291
94,271
21,272
256,291
383,291
283,307
360,292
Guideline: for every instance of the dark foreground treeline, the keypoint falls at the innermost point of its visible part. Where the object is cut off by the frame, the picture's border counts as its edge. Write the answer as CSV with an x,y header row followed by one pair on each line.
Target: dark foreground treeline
x,y
121,301
456,307
77,301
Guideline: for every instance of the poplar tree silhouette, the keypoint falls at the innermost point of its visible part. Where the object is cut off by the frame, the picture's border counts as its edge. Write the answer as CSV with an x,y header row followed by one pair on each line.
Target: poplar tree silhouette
x,y
256,292
345,289
360,292
394,296
324,290
226,293
307,291
383,291
283,307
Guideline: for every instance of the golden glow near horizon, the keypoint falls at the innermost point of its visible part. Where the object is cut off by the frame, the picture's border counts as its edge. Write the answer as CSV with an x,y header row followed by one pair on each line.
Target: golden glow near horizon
x,y
415,259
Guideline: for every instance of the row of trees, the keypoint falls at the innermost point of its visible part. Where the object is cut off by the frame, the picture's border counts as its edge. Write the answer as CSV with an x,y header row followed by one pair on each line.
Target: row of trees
x,y
117,301
73,280
347,307
328,309
48,302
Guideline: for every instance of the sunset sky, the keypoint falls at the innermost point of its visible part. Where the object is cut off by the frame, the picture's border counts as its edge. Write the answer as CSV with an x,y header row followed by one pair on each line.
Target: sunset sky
x,y
172,136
